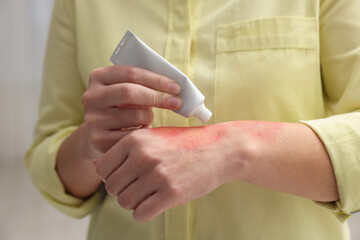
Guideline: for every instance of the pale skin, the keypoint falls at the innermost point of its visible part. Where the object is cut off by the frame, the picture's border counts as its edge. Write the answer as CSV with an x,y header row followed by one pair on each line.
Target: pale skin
x,y
150,170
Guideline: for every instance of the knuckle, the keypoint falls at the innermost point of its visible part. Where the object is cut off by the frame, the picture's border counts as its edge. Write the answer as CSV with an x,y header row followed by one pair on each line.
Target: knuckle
x,y
158,100
90,121
174,189
162,82
110,187
96,74
125,201
134,74
86,98
126,91
132,138
134,141
161,173
129,139
141,215
147,157
138,116
91,97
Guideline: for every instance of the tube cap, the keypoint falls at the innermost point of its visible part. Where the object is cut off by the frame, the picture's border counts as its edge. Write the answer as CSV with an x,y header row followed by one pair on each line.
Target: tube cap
x,y
203,113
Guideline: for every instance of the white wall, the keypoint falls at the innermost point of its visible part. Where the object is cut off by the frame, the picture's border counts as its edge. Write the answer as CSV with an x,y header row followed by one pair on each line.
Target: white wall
x,y
23,31
24,214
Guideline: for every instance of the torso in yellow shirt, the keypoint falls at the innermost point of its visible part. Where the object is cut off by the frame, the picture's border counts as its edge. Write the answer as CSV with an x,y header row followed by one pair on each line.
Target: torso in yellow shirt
x,y
253,60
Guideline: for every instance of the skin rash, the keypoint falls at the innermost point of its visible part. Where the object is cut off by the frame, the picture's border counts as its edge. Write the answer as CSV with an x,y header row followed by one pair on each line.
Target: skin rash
x,y
197,137
189,138
190,162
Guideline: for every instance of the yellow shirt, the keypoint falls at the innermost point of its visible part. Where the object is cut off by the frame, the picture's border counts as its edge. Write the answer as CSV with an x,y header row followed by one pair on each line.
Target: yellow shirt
x,y
273,60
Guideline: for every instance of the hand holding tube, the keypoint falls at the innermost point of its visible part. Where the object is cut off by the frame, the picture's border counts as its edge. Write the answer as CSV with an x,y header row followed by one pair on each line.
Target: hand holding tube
x,y
122,97
131,51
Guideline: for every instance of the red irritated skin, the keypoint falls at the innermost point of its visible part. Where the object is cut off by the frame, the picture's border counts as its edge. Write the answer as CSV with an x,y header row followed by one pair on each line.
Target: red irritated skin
x,y
202,136
152,170
196,137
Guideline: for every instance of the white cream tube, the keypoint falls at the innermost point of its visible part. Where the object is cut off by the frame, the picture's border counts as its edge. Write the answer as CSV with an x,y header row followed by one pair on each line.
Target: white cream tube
x,y
131,51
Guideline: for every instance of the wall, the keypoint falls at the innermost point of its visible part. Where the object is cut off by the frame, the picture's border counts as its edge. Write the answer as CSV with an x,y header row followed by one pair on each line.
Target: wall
x,y
23,27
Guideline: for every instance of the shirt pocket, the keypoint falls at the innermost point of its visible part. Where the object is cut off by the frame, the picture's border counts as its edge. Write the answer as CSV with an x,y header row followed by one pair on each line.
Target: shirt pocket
x,y
268,69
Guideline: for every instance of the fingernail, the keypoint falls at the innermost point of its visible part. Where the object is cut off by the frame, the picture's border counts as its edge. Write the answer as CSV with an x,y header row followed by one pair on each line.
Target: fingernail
x,y
174,103
174,88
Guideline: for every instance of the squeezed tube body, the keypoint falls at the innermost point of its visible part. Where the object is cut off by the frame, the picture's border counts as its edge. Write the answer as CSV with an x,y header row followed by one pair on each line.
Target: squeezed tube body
x,y
131,51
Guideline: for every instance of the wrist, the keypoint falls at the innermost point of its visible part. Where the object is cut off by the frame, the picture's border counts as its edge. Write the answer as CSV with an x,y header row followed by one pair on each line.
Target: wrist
x,y
238,150
248,141
87,151
75,167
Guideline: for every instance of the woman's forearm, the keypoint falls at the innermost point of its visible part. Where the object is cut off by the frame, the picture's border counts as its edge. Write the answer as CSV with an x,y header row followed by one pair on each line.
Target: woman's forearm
x,y
75,167
287,157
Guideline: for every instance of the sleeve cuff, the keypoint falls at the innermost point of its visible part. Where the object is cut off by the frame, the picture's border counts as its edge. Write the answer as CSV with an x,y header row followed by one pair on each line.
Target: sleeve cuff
x,y
40,161
341,137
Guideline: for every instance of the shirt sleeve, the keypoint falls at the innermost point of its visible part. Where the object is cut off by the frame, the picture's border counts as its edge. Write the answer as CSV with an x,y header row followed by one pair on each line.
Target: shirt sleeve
x,y
60,113
339,28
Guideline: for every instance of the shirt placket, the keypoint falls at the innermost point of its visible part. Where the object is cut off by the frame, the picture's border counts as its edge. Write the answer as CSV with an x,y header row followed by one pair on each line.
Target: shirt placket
x,y
177,51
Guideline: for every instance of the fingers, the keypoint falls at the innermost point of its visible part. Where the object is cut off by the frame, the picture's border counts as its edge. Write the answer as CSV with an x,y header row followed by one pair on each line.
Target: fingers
x,y
135,193
124,94
118,98
120,74
118,180
139,194
104,127
153,206
119,118
110,162
116,95
101,140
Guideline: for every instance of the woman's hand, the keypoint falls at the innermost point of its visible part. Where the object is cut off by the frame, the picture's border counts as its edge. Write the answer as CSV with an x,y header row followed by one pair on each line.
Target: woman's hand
x,y
152,170
117,98
122,97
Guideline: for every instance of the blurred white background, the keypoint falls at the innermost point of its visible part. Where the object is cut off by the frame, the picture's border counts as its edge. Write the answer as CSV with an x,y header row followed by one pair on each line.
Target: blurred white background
x,y
23,213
